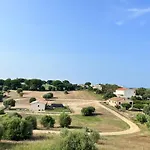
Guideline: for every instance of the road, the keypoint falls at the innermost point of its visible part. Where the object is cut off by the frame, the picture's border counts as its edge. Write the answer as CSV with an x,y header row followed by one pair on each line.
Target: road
x,y
133,128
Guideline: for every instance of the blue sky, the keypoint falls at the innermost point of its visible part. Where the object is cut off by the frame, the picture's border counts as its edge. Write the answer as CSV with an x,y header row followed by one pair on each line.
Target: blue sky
x,y
102,41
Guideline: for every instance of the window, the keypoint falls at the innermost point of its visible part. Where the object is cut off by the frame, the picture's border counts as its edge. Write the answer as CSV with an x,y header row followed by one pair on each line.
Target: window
x,y
38,106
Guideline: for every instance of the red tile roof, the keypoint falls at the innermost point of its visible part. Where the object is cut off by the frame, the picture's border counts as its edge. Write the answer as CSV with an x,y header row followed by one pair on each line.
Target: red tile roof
x,y
122,89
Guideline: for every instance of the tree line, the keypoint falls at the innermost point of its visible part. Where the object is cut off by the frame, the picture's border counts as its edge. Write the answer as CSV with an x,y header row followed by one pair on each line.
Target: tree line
x,y
37,85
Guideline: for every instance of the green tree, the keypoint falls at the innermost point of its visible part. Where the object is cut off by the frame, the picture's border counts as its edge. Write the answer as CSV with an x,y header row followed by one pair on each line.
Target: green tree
x,y
126,105
88,83
146,110
19,90
5,88
32,120
138,106
75,141
8,103
16,128
64,120
48,96
88,111
141,118
32,99
1,96
140,91
108,95
47,121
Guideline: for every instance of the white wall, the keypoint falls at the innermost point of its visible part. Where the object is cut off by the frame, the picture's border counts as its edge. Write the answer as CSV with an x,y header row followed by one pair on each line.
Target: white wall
x,y
129,93
38,106
119,93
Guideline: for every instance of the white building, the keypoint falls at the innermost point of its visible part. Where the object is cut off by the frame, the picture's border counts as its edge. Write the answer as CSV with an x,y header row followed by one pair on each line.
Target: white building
x,y
97,86
38,106
125,92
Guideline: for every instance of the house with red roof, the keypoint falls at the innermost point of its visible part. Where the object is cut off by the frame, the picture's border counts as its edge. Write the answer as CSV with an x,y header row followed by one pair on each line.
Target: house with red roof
x,y
125,92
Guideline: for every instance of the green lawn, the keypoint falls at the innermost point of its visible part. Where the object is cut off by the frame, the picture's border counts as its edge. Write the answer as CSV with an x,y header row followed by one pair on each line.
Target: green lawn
x,y
65,109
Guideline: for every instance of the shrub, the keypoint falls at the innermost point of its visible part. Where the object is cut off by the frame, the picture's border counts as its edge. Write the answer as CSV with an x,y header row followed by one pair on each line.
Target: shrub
x,y
95,136
1,96
88,111
1,131
126,105
48,96
21,94
32,120
16,115
5,88
146,110
32,99
141,118
64,120
16,128
138,106
2,111
47,121
9,103
19,90
109,95
75,141
66,92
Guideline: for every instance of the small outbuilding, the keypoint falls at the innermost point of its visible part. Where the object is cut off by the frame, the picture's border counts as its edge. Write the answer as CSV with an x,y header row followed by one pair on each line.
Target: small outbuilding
x,y
38,106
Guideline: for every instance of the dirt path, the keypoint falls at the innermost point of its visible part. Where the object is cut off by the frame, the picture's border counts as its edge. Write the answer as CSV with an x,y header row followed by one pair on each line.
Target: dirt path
x,y
133,127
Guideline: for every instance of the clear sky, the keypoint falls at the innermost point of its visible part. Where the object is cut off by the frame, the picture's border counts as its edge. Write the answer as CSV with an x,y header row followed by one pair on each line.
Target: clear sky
x,y
102,41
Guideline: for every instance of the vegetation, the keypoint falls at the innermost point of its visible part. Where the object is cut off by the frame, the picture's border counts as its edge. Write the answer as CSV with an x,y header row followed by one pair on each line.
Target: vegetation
x,y
88,111
1,96
126,105
8,103
16,128
108,95
47,121
48,96
66,92
1,131
19,90
64,120
141,118
32,99
146,110
16,115
2,110
32,120
75,141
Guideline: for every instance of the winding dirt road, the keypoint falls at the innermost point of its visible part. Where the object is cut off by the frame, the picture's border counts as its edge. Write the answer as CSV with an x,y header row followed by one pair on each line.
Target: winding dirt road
x,y
133,128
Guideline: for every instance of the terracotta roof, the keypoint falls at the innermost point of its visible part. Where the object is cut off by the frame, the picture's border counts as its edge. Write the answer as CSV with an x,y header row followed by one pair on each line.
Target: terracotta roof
x,y
122,89
117,99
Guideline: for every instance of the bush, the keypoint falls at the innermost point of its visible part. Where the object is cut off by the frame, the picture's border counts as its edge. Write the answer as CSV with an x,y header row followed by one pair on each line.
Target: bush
x,y
146,110
66,92
16,128
16,115
21,94
95,136
77,140
138,106
109,95
5,88
47,121
141,118
126,105
1,131
2,111
48,96
19,90
1,96
88,111
32,120
32,99
64,120
9,103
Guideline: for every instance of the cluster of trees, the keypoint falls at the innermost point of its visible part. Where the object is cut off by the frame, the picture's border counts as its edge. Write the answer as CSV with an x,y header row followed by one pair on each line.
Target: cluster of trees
x,y
145,117
37,85
79,140
14,127
64,120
